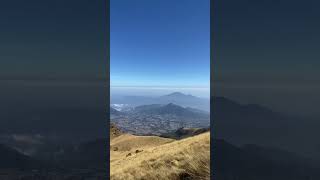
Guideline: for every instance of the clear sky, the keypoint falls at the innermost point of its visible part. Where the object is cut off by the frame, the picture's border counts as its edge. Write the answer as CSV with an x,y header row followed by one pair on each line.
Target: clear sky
x,y
160,43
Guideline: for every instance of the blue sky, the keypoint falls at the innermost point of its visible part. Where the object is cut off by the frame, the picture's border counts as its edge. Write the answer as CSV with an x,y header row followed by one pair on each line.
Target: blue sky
x,y
160,43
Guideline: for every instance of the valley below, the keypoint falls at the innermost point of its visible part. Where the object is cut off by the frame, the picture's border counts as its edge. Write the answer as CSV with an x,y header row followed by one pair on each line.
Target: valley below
x,y
159,119
167,138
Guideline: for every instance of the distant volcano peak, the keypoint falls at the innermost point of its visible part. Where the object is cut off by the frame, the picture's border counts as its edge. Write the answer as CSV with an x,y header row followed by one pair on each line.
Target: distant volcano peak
x,y
175,94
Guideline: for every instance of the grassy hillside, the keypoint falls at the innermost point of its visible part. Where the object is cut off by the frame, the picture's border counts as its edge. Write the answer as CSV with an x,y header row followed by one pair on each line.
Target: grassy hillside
x,y
151,157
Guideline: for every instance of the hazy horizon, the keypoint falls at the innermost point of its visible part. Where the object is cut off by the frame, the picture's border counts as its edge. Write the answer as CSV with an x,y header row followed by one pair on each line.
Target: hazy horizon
x,y
160,44
202,92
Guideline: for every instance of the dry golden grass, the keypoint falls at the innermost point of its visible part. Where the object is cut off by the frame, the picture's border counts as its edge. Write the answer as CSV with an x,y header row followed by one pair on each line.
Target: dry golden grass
x,y
114,131
154,158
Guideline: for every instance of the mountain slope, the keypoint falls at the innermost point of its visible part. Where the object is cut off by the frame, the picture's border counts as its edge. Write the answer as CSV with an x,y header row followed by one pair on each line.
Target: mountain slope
x,y
242,124
253,124
171,109
182,133
186,101
151,157
114,111
114,131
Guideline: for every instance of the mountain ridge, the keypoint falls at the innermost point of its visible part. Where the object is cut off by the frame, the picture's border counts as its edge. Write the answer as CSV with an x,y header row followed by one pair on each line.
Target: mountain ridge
x,y
175,97
151,157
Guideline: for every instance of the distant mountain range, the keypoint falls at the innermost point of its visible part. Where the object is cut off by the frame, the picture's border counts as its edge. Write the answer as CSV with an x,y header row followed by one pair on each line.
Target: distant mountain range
x,y
164,109
178,98
173,109
242,124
